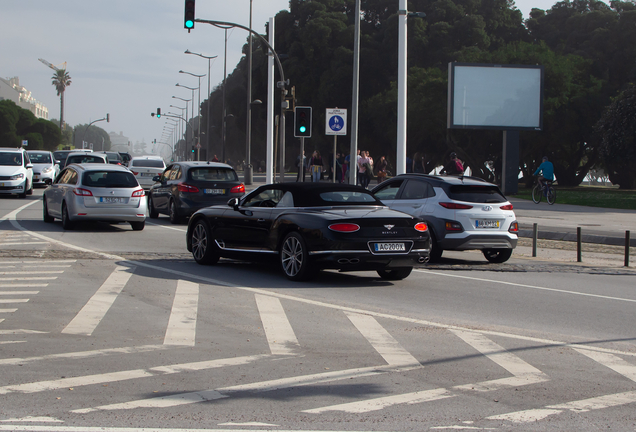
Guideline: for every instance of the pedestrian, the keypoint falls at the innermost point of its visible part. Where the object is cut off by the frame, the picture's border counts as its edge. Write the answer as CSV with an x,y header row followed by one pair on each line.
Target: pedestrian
x,y
454,166
419,163
215,159
302,167
315,165
365,168
381,169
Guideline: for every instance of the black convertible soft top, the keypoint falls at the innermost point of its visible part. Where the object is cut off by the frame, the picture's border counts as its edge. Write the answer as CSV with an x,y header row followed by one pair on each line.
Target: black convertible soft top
x,y
318,194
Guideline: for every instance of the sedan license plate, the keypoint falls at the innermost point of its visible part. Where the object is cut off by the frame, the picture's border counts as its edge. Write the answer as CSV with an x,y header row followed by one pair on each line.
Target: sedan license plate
x,y
214,191
112,200
488,223
146,174
389,247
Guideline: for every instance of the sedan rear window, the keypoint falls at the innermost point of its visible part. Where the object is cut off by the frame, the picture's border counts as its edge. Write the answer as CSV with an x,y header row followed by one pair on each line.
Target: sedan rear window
x,y
148,163
109,179
348,197
476,194
212,174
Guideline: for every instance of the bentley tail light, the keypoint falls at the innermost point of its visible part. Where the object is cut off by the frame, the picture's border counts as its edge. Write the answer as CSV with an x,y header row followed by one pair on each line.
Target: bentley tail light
x,y
82,192
514,227
183,187
238,189
455,206
506,207
344,227
421,227
138,193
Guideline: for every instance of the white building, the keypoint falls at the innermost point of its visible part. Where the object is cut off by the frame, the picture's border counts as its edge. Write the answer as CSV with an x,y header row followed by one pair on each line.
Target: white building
x,y
119,142
11,86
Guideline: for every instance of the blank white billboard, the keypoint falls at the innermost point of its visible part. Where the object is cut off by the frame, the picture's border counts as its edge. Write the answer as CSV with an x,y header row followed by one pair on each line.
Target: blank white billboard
x,y
484,96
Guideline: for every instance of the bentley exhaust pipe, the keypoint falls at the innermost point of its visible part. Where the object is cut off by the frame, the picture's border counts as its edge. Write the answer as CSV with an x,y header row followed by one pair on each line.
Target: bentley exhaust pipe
x,y
423,259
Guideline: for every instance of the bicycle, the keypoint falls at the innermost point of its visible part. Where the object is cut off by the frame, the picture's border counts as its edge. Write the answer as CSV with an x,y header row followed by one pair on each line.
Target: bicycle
x,y
547,190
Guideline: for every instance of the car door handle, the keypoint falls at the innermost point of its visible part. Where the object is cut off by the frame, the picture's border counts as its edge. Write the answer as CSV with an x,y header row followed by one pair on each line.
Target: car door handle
x,y
261,220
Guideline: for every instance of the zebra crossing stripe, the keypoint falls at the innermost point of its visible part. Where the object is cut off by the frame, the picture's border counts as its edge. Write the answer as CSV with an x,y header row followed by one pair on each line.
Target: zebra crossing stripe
x,y
182,325
278,331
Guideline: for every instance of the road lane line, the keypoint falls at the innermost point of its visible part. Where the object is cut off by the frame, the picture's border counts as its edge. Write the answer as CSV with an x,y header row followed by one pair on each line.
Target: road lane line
x,y
611,361
380,339
23,285
43,263
13,214
22,243
7,273
18,292
182,325
278,331
52,428
529,286
164,226
6,301
94,311
7,310
16,278
20,331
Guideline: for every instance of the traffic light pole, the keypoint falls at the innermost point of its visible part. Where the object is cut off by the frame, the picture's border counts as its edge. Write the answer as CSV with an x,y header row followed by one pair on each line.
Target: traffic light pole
x,y
107,118
281,84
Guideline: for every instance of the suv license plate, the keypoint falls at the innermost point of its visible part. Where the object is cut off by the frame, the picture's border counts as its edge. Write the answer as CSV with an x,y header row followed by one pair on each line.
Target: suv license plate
x,y
214,191
487,223
111,200
390,247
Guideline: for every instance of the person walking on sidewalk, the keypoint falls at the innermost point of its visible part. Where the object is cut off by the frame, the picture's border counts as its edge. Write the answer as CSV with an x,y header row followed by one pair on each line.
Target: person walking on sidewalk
x,y
315,164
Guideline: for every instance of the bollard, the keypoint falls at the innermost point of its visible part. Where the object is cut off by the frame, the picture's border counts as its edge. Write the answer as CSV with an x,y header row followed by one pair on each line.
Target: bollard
x,y
535,234
579,258
627,248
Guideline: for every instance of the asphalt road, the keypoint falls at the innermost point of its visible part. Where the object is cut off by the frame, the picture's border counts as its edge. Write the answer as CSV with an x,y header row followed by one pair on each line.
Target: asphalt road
x,y
103,327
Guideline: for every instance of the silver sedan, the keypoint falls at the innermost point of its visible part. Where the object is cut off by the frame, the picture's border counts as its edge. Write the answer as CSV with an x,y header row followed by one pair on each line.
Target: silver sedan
x,y
95,192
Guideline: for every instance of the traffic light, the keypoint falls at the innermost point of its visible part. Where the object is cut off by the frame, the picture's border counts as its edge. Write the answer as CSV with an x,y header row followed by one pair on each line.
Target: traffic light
x,y
107,118
188,22
158,112
302,122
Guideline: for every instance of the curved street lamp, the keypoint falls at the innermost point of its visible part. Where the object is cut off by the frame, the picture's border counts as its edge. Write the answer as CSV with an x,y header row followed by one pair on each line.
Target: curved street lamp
x,y
191,115
199,108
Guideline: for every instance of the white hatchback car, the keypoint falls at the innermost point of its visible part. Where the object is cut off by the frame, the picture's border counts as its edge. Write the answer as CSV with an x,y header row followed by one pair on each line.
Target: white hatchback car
x,y
45,167
16,172
95,192
145,168
463,213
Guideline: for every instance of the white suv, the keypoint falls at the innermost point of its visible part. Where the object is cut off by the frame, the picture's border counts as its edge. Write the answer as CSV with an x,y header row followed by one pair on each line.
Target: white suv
x,y
16,172
463,213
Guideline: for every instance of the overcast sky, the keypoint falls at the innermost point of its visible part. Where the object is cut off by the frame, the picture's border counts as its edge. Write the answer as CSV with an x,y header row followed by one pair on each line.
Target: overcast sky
x,y
124,56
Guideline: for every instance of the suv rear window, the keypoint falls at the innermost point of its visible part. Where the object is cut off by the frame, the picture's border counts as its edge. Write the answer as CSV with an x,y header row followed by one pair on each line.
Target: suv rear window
x,y
110,179
149,163
476,194
84,159
212,174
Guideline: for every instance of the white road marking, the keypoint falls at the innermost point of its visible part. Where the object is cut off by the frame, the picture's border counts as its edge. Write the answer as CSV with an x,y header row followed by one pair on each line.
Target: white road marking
x,y
24,285
22,243
7,273
45,265
28,278
263,386
94,311
33,419
182,325
10,342
13,214
278,331
18,293
51,428
83,354
380,339
249,424
165,226
611,361
7,310
20,331
384,402
110,377
527,416
529,286
6,301
42,263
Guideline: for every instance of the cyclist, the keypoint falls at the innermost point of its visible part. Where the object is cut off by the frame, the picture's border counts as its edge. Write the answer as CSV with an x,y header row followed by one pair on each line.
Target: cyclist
x,y
547,172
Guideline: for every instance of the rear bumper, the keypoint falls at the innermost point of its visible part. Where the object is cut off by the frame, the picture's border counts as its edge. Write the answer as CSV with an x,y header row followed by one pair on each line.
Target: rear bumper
x,y
361,260
79,212
471,241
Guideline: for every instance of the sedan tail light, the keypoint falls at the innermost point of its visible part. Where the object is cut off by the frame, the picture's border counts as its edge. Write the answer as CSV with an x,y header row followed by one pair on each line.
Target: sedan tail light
x,y
82,192
183,187
506,207
514,227
135,172
238,189
421,227
138,193
455,206
344,227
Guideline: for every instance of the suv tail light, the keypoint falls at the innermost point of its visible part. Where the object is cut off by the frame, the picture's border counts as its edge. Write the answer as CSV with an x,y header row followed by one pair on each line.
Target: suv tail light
x,y
82,192
506,207
344,227
183,187
135,172
238,189
454,226
138,193
514,227
455,206
421,227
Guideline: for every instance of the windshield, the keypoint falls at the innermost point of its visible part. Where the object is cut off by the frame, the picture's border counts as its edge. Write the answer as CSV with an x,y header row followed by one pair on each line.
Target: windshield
x,y
149,163
40,158
109,179
10,159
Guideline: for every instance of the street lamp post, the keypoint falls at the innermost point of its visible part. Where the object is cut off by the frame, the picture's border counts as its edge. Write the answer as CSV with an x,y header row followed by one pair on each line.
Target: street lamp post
x,y
223,97
248,170
192,115
185,133
207,123
199,108
107,118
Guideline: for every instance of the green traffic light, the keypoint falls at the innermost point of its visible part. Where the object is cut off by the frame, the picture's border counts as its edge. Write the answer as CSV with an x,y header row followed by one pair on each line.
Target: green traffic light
x,y
303,129
189,24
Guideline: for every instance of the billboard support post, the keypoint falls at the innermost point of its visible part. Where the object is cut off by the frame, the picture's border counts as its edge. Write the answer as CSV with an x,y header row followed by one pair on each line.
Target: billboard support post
x,y
510,163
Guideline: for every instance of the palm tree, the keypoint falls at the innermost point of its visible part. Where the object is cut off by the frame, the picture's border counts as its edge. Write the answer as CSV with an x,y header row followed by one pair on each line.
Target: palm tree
x,y
61,80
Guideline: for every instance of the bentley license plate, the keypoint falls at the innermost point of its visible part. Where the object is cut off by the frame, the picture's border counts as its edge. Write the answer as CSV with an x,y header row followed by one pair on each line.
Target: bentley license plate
x,y
390,247
489,223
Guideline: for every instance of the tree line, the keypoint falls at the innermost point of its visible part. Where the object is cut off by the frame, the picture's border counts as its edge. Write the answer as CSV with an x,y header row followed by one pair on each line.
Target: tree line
x,y
588,49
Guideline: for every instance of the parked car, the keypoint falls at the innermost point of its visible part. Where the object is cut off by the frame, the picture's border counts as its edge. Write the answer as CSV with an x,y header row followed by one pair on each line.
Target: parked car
x,y
308,227
112,156
462,213
185,187
85,157
95,192
45,167
16,172
145,168
61,155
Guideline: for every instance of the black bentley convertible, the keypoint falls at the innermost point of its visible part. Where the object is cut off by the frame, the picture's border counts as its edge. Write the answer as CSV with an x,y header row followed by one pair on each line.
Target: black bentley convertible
x,y
308,227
